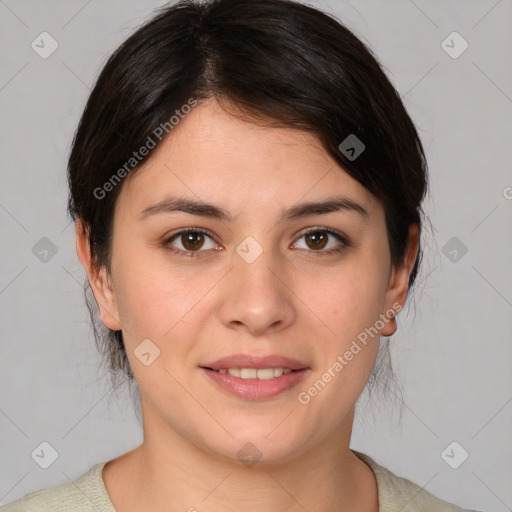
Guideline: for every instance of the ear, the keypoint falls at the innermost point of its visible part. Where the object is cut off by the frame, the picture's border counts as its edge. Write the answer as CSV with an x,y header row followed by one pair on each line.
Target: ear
x,y
396,294
98,279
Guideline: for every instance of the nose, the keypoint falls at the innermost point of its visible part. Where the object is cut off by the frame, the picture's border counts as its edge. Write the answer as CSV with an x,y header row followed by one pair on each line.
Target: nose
x,y
257,296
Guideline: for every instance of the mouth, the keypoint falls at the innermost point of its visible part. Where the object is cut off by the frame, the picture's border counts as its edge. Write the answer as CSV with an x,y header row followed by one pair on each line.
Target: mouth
x,y
248,363
253,373
255,378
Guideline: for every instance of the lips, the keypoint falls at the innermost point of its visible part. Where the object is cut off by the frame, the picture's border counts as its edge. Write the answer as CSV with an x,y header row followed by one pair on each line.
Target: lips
x,y
248,361
236,375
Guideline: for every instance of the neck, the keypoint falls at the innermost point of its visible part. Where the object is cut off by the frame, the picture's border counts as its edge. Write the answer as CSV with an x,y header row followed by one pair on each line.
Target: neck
x,y
169,472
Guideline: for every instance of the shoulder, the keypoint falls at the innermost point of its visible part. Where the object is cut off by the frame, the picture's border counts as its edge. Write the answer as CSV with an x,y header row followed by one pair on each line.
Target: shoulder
x,y
397,493
86,493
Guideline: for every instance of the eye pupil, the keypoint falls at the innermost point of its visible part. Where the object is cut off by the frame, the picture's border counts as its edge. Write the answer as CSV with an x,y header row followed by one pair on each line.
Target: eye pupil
x,y
190,240
317,236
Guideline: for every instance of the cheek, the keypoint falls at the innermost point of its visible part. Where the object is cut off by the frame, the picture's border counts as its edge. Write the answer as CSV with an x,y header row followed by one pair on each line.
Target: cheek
x,y
151,303
154,307
163,303
347,308
349,345
139,298
347,301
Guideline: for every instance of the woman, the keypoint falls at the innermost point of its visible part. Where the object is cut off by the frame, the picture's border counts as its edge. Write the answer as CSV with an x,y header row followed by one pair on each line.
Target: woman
x,y
246,187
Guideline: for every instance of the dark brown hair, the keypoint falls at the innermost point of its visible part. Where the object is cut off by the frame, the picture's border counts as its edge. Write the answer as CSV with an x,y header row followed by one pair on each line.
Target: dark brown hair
x,y
278,62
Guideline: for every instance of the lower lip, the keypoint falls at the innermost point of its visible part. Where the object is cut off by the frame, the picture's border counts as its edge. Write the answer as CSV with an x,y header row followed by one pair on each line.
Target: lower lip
x,y
256,389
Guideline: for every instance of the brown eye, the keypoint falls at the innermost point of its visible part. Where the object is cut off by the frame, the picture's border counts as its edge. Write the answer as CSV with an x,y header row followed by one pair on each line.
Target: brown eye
x,y
190,241
318,239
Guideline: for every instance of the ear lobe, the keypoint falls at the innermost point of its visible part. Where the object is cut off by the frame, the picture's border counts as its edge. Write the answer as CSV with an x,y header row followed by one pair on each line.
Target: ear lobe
x,y
396,293
98,279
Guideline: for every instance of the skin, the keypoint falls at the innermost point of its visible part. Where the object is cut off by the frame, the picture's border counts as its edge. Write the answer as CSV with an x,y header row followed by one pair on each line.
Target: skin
x,y
294,300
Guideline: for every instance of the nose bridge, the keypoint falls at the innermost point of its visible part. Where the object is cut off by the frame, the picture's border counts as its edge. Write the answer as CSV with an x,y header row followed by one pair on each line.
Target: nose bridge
x,y
255,266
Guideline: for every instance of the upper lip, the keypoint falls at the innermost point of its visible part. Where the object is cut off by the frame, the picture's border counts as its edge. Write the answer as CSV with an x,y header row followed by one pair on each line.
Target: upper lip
x,y
248,361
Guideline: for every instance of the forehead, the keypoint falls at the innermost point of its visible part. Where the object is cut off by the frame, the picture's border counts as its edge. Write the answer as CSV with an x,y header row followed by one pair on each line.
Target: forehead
x,y
212,154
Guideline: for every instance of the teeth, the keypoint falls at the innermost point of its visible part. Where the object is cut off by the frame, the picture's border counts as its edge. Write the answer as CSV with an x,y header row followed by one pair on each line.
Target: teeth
x,y
253,373
267,373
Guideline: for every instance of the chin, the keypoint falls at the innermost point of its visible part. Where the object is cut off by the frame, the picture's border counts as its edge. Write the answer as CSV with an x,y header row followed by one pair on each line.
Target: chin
x,y
261,445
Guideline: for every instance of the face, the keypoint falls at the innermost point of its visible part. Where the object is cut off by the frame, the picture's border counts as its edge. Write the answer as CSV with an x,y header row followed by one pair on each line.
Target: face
x,y
258,275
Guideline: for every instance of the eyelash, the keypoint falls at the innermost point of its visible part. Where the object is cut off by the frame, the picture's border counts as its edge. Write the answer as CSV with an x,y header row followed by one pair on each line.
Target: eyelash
x,y
195,254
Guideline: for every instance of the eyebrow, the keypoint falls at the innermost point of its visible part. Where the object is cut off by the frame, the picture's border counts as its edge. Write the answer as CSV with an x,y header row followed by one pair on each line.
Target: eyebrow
x,y
202,209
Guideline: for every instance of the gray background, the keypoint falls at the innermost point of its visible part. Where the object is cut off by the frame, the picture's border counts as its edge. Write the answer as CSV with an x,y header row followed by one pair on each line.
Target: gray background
x,y
453,353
